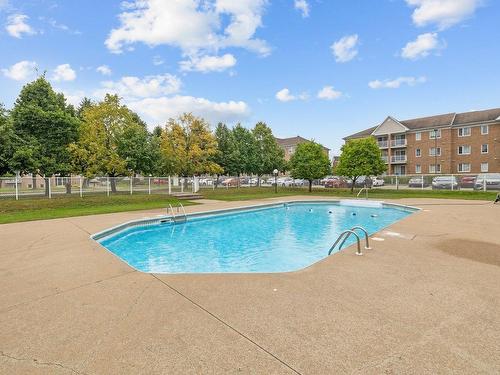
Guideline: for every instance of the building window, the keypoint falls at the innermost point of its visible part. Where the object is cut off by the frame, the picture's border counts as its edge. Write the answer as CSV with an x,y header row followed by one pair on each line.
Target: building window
x,y
435,151
290,150
418,153
435,134
485,129
418,169
464,167
484,167
418,136
464,132
463,150
435,168
484,148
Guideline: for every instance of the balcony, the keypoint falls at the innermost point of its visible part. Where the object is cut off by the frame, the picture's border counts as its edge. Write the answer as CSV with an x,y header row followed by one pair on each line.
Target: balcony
x,y
398,142
398,159
383,144
385,158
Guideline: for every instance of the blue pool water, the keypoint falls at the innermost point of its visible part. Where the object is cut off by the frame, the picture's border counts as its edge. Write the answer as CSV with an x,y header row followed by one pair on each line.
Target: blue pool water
x,y
273,239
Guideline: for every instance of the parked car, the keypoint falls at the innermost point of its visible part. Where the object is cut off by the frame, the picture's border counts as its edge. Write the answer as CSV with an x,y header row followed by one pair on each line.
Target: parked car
x,y
230,182
361,181
418,182
285,181
492,181
445,182
377,181
323,181
336,182
298,182
468,181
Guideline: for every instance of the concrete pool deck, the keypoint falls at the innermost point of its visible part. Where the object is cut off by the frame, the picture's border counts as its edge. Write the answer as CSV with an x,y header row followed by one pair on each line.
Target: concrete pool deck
x,y
426,299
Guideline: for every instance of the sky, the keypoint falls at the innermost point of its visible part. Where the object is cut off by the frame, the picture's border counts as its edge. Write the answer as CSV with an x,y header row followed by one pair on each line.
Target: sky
x,y
321,69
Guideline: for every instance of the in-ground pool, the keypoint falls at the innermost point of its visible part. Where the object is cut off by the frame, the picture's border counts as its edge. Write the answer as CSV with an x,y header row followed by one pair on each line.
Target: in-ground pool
x,y
276,238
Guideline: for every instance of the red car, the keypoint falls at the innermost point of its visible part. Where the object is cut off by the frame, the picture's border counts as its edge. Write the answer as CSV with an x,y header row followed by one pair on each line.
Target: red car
x,y
335,183
468,181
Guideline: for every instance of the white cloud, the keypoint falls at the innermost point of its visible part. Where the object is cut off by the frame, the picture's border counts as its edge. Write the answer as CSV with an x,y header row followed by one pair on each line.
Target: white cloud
x,y
159,110
329,93
64,72
208,63
17,26
421,47
285,95
443,13
104,70
345,49
196,27
303,6
21,71
135,87
396,83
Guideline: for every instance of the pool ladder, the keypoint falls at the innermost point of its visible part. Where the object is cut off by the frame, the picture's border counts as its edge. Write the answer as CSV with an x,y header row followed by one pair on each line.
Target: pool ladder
x,y
177,218
345,235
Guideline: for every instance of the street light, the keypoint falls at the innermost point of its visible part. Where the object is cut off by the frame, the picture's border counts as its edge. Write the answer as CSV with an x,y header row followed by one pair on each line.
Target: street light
x,y
275,172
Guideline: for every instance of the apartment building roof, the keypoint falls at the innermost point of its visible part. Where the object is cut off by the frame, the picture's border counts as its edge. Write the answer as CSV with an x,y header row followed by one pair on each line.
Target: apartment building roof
x,y
447,119
294,141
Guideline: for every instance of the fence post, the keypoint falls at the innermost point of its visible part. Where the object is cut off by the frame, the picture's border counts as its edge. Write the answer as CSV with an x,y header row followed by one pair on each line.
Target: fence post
x,y
50,188
422,182
397,183
17,188
81,187
149,185
107,186
452,179
169,186
131,184
484,183
182,185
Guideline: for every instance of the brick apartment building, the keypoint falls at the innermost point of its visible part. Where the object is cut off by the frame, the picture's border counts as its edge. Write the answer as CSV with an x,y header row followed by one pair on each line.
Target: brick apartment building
x,y
452,143
290,145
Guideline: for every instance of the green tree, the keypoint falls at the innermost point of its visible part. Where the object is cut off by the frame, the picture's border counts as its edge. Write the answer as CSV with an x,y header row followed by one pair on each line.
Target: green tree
x,y
111,141
46,125
7,140
227,152
268,154
360,157
309,162
188,147
246,150
84,104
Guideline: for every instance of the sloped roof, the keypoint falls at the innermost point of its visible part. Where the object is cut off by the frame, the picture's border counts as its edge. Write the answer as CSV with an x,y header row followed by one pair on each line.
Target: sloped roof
x,y
447,119
294,141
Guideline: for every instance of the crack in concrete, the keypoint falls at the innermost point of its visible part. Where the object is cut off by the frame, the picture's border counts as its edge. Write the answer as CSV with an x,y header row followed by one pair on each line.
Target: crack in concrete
x,y
213,315
11,307
38,362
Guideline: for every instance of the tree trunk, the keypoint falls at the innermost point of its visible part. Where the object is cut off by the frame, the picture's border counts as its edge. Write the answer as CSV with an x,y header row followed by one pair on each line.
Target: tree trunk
x,y
310,185
353,183
67,184
112,184
47,182
33,180
258,181
216,180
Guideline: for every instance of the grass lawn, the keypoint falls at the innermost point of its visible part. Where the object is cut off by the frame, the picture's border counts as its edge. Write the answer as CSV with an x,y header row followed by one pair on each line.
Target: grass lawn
x,y
235,194
27,209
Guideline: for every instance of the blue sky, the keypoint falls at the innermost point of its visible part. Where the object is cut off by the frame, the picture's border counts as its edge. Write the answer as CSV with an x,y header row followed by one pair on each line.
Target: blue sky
x,y
316,68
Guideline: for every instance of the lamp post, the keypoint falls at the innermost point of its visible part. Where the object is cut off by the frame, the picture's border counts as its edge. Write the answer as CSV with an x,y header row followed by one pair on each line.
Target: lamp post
x,y
275,172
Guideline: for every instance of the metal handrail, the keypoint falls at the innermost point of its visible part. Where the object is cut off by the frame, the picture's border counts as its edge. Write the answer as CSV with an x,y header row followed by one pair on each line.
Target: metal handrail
x,y
361,190
367,242
183,211
172,212
348,233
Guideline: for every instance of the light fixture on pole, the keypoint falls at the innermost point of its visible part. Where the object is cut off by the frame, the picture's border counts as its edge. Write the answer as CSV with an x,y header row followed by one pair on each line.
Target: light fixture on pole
x,y
275,172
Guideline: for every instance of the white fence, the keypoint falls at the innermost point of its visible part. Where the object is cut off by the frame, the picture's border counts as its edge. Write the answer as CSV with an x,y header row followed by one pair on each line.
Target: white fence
x,y
12,187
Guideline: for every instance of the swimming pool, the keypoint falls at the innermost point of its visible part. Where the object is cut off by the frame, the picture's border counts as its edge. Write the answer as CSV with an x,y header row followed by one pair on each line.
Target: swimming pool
x,y
273,238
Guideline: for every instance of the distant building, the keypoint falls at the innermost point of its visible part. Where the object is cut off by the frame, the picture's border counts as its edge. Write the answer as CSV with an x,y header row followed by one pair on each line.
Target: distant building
x,y
290,145
464,143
